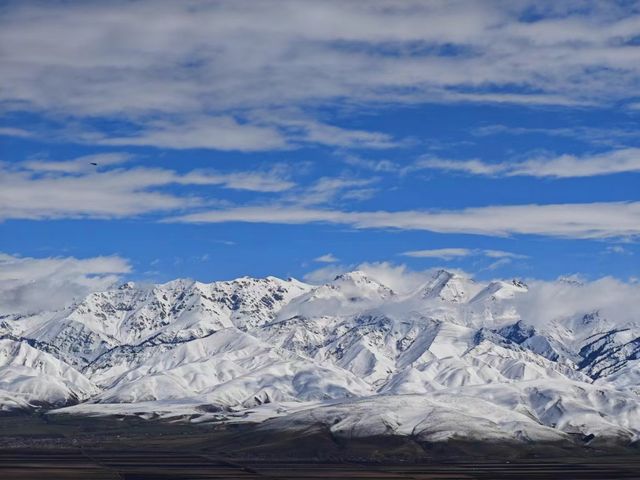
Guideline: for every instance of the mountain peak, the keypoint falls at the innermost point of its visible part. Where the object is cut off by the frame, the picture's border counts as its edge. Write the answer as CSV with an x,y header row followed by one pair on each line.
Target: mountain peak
x,y
447,286
355,276
519,283
358,279
127,286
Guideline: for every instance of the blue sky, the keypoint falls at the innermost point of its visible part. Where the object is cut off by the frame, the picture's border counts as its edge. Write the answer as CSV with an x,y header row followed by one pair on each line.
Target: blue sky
x,y
234,139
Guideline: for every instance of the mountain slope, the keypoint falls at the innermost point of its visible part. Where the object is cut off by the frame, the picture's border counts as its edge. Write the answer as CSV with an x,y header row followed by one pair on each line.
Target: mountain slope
x,y
31,377
367,358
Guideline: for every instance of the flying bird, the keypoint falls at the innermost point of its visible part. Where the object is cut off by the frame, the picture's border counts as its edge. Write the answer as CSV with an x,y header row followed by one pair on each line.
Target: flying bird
x,y
94,163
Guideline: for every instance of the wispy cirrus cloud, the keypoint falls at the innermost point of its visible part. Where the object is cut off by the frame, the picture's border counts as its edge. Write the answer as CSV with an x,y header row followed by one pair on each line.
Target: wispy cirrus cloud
x,y
85,163
194,131
263,182
610,135
327,258
380,166
453,253
42,189
625,160
617,250
15,132
569,220
442,253
327,190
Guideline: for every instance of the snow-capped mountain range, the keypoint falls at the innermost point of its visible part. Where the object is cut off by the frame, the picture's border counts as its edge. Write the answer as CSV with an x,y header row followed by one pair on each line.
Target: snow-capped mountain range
x,y
453,358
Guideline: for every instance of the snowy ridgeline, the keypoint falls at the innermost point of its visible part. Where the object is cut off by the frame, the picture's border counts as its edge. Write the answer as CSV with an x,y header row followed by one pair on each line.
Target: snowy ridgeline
x,y
450,358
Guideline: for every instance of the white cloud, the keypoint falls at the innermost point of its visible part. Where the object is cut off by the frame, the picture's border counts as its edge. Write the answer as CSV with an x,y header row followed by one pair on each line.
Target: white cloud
x,y
501,262
518,98
327,189
199,74
451,253
220,133
272,214
473,166
501,254
305,130
563,166
618,249
271,181
443,253
615,300
324,274
29,285
117,193
386,166
80,164
610,135
74,189
577,220
327,258
15,132
397,277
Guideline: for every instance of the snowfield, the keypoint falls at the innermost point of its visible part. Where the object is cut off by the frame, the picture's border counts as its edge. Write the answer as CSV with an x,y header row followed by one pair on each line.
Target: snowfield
x,y
452,359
